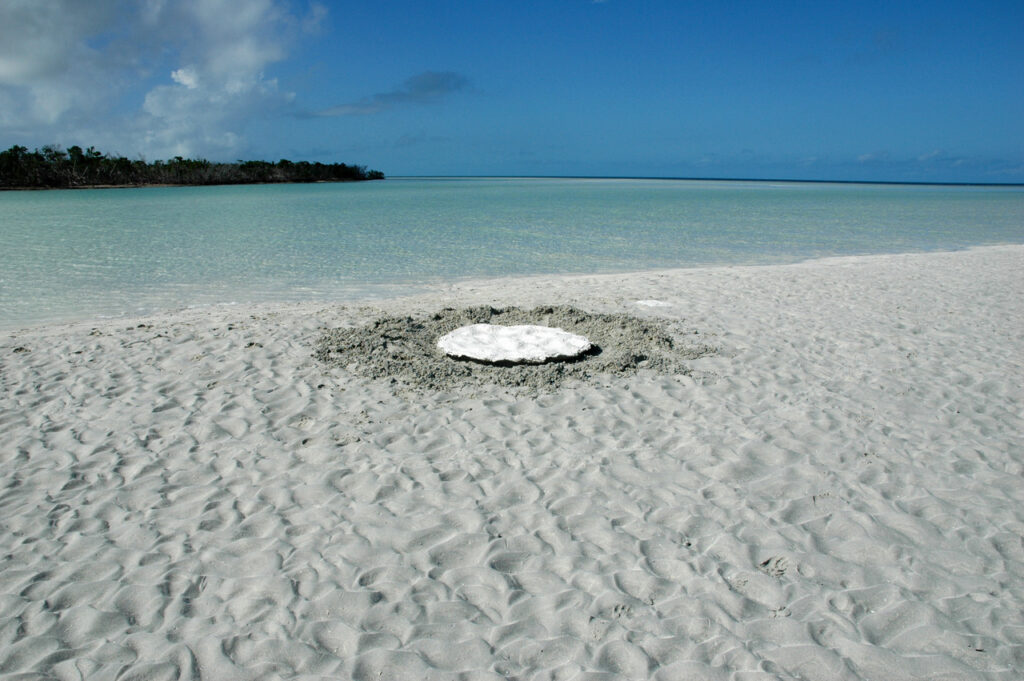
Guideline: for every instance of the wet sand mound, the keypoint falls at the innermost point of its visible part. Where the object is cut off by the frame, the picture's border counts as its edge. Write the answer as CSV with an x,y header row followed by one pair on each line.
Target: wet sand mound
x,y
405,348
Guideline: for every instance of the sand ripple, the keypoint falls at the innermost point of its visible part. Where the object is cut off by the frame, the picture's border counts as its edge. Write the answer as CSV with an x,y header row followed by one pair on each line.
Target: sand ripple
x,y
836,494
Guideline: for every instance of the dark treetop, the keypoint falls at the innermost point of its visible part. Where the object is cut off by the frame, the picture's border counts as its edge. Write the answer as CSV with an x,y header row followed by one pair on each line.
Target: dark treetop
x,y
55,167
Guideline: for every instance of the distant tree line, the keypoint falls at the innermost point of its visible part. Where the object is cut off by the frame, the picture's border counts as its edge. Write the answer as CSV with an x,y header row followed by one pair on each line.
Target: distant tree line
x,y
52,166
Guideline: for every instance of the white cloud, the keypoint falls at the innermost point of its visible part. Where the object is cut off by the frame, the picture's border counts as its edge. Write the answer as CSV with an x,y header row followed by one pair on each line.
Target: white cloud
x,y
47,67
873,157
155,77
40,40
186,76
313,20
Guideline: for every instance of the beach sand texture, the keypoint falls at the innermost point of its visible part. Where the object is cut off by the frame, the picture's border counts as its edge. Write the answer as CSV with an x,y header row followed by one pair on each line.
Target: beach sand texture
x,y
837,492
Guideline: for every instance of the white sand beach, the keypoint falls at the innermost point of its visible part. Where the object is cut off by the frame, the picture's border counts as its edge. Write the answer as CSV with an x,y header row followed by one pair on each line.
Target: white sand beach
x,y
836,492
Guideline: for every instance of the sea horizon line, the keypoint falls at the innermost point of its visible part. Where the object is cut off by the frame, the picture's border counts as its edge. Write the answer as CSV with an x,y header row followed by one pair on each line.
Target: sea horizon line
x,y
704,179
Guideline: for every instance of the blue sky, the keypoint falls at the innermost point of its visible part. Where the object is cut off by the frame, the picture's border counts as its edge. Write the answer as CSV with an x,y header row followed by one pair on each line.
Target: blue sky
x,y
899,91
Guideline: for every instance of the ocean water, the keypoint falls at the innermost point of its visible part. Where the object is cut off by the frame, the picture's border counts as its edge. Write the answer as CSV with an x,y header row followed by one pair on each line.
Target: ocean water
x,y
68,255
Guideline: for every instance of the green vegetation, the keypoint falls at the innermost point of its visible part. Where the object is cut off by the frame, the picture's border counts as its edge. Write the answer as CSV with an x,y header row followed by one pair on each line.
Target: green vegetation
x,y
55,167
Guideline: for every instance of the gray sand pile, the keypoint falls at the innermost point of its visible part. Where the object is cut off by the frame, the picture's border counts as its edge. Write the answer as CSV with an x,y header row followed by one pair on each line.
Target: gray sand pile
x,y
405,348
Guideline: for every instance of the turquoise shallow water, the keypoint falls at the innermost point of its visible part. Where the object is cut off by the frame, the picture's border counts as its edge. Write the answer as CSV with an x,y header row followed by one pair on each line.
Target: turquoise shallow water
x,y
81,254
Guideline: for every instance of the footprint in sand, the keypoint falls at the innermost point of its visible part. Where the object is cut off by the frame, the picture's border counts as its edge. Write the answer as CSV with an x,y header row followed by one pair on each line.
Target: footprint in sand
x,y
776,566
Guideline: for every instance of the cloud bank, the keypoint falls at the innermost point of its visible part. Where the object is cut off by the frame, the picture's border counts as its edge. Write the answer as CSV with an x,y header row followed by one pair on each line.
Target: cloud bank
x,y
423,88
162,77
